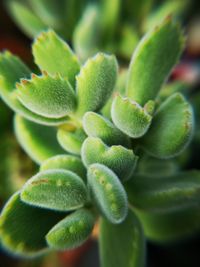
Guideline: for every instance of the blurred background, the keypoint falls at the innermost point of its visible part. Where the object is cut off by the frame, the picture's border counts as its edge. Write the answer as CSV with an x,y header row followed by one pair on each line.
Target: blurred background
x,y
89,26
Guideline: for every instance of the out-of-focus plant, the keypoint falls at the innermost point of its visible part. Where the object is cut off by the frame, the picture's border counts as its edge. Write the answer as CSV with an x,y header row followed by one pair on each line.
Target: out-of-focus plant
x,y
103,130
111,26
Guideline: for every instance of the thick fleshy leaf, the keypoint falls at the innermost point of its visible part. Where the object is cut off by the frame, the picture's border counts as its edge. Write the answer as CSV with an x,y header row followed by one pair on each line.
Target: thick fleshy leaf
x,y
46,95
164,193
170,226
71,141
96,125
118,158
130,117
39,141
11,70
95,82
85,36
108,193
128,234
171,129
25,18
66,162
55,189
23,228
153,59
52,54
72,231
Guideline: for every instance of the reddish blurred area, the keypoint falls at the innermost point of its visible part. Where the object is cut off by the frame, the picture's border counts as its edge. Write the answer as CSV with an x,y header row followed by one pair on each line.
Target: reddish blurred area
x,y
12,39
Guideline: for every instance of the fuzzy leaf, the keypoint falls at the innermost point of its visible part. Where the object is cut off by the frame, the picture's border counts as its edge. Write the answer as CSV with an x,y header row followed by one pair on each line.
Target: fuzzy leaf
x,y
25,18
171,129
170,226
96,125
164,193
55,189
85,36
153,59
72,231
11,70
95,82
108,193
71,141
52,54
66,162
48,96
118,158
38,141
130,117
23,228
128,234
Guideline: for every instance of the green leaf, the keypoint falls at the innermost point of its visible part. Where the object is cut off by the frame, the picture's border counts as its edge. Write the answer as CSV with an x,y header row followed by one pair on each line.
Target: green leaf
x,y
153,59
46,95
175,8
66,162
38,141
108,193
160,194
11,70
71,141
130,117
72,231
171,129
86,33
55,189
128,234
49,11
170,226
23,228
96,125
52,54
118,158
25,18
95,82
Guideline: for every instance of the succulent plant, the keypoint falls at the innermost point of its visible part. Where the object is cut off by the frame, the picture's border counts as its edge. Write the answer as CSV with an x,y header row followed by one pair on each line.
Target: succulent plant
x,y
88,134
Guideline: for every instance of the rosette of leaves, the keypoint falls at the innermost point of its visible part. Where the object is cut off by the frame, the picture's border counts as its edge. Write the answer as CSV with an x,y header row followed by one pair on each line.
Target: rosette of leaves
x,y
114,26
58,207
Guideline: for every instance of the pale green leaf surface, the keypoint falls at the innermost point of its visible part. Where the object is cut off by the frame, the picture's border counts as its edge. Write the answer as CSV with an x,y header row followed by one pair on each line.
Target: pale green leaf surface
x,y
72,231
108,193
11,70
71,141
95,82
46,95
96,125
52,54
118,158
60,190
171,129
130,117
66,162
153,59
